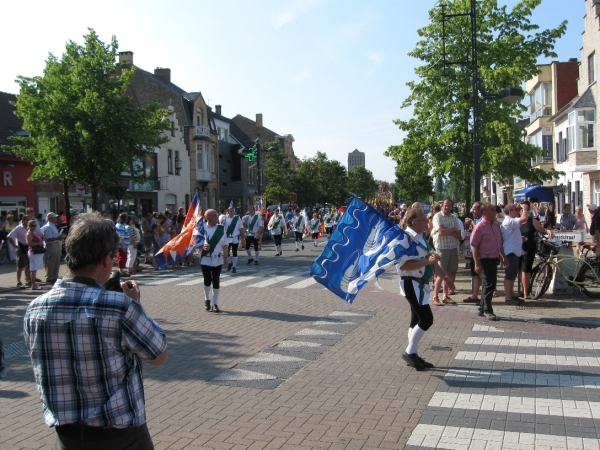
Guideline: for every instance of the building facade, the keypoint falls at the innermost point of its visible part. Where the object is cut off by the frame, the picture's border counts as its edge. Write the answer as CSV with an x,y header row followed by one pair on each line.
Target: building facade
x,y
355,159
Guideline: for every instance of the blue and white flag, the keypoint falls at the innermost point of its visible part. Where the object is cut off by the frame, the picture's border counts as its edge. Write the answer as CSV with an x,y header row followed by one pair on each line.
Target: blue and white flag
x,y
259,205
232,205
363,246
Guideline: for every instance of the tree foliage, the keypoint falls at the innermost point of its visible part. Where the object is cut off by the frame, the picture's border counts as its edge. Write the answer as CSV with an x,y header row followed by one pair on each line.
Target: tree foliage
x,y
82,127
440,131
413,181
319,180
361,182
278,171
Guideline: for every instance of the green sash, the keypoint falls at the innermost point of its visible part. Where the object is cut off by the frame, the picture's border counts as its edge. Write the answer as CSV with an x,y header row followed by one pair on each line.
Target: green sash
x,y
231,227
276,223
315,227
214,240
429,271
251,226
298,223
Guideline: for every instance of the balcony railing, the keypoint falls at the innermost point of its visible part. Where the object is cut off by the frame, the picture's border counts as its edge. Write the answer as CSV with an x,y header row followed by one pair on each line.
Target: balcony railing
x,y
201,130
205,175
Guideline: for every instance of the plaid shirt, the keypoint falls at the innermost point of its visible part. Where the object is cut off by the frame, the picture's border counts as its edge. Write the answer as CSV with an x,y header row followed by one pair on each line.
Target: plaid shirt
x,y
85,344
444,242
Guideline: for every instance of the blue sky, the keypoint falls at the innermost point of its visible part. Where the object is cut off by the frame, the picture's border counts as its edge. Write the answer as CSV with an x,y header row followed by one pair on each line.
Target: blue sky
x,y
332,73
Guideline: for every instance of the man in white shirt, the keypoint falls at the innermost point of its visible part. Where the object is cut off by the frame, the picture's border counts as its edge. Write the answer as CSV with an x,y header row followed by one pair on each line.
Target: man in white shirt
x,y
214,254
446,238
52,239
234,233
18,239
513,248
254,229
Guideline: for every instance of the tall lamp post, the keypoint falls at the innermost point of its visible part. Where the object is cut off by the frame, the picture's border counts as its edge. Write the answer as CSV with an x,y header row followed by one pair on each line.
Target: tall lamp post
x,y
508,95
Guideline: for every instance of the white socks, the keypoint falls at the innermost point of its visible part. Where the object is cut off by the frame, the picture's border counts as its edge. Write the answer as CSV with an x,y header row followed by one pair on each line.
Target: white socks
x,y
410,330
206,292
414,339
278,248
249,251
256,257
215,297
234,261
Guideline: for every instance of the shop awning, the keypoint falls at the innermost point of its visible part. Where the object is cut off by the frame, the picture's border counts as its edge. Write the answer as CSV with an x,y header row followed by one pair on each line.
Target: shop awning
x,y
541,193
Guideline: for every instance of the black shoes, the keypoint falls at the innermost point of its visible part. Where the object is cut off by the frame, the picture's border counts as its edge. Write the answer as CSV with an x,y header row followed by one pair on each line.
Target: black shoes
x,y
276,254
424,363
513,302
250,260
233,270
491,316
413,361
302,246
256,262
229,266
216,309
297,249
207,305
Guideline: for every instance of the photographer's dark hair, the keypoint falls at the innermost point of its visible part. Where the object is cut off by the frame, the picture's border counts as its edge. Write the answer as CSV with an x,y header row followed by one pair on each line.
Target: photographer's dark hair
x,y
89,240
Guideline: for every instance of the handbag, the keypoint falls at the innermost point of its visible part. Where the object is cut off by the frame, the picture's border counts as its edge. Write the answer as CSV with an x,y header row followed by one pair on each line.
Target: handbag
x,y
38,250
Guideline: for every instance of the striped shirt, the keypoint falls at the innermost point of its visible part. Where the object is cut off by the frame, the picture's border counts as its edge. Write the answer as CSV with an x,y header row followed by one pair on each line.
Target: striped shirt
x,y
444,242
85,345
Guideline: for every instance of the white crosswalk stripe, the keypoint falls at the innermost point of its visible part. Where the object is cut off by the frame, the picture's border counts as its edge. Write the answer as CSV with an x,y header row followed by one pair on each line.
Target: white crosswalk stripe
x,y
520,402
302,284
271,281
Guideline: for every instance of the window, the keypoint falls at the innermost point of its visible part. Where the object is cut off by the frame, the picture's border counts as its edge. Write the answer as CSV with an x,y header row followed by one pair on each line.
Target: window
x,y
200,157
172,128
212,159
177,163
580,132
222,134
540,101
150,165
170,162
592,68
585,120
199,117
596,197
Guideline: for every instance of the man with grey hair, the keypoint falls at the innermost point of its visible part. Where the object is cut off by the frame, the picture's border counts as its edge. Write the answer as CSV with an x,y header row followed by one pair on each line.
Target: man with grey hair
x,y
86,344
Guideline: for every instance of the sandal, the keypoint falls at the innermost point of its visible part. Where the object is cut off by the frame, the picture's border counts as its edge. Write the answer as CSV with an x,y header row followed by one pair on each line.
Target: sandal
x,y
436,302
448,301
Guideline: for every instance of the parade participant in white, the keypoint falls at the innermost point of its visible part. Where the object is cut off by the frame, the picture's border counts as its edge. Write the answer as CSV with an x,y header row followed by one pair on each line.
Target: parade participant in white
x,y
415,275
298,225
214,254
313,226
234,232
329,220
254,229
277,227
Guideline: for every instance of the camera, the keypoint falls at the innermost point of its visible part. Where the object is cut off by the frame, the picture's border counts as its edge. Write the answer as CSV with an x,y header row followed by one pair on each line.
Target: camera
x,y
114,282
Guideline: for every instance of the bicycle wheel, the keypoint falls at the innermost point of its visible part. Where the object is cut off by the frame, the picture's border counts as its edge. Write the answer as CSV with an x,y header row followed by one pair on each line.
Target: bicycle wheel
x,y
589,276
3,253
541,276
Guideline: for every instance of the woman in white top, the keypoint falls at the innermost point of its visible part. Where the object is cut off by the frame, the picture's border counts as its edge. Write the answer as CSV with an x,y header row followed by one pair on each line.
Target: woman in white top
x,y
214,254
277,226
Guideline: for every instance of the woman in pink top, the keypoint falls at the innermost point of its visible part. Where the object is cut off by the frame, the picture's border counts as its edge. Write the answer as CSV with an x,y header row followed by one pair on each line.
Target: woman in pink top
x,y
36,260
581,224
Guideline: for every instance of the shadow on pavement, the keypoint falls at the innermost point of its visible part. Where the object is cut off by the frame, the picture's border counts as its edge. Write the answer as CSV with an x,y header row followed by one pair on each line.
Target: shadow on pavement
x,y
274,315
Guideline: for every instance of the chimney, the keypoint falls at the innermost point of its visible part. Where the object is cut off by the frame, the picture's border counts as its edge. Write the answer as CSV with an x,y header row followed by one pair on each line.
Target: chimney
x,y
259,120
218,109
573,60
165,74
126,58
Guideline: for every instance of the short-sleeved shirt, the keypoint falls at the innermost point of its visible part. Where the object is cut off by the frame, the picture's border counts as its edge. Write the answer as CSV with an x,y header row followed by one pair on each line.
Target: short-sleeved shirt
x,y
487,237
215,258
568,222
49,231
277,225
250,229
444,242
85,345
511,235
298,223
19,233
235,234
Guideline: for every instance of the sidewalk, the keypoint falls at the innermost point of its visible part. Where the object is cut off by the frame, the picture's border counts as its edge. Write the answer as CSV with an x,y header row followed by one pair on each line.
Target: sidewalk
x,y
575,309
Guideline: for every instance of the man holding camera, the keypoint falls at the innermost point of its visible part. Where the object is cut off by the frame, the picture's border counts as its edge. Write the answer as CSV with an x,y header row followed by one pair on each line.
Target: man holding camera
x,y
86,345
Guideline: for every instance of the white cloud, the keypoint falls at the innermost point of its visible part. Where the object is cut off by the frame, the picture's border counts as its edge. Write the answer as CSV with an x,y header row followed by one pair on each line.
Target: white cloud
x,y
292,11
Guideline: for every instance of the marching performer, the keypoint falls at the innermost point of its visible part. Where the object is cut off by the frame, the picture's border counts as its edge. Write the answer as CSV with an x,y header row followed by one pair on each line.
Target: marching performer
x,y
298,225
415,275
254,229
214,254
313,226
337,217
329,220
234,233
277,227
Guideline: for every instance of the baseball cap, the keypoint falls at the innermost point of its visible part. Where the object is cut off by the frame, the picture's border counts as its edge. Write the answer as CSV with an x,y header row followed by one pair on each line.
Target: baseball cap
x,y
50,215
592,206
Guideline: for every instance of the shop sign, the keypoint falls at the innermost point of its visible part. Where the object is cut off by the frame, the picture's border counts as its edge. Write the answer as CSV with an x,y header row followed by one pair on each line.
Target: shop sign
x,y
141,185
519,183
77,206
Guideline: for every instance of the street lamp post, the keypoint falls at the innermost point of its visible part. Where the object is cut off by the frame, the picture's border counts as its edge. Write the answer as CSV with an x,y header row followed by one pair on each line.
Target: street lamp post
x,y
254,151
508,95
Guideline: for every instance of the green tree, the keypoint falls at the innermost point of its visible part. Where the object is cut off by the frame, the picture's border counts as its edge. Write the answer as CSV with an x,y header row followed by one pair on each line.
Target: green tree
x,y
82,126
413,181
319,180
278,171
361,182
441,128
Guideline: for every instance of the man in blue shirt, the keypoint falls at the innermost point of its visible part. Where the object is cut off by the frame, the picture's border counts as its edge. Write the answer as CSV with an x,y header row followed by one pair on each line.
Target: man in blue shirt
x,y
87,345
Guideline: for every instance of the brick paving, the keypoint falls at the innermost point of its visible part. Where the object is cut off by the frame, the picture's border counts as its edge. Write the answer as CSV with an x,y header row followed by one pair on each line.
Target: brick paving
x,y
357,394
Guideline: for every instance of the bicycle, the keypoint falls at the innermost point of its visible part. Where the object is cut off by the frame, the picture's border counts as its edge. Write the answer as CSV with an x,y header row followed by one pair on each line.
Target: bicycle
x,y
586,275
